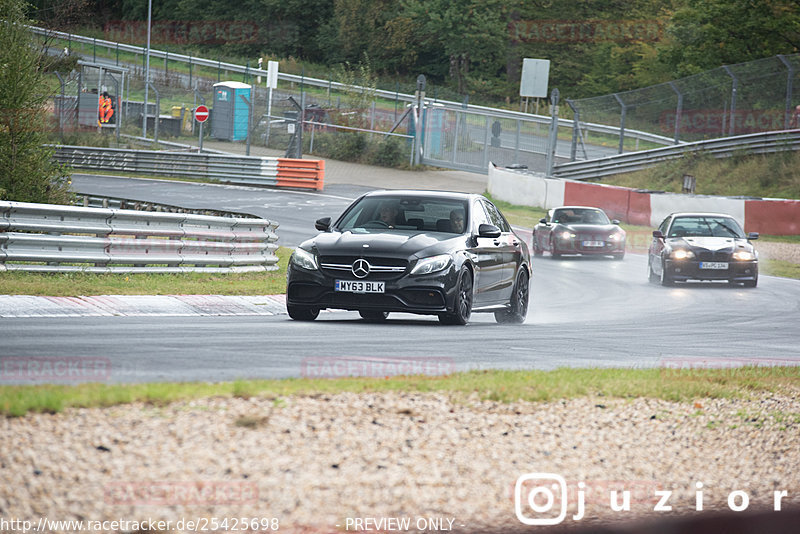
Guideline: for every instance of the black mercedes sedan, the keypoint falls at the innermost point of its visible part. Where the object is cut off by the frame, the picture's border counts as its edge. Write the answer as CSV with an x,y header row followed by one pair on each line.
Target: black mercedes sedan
x,y
702,246
423,252
580,230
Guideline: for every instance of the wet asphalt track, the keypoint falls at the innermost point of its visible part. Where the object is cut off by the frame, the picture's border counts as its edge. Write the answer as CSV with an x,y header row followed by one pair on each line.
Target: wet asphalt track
x,y
583,313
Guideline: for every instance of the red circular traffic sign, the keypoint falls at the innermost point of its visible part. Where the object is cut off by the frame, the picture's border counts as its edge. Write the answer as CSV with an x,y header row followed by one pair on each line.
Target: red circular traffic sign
x,y
201,113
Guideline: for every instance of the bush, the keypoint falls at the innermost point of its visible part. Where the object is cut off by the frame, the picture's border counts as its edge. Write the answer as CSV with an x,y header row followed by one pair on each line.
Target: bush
x,y
361,148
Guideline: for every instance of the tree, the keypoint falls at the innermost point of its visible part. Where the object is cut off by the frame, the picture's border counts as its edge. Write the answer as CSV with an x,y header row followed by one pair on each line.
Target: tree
x,y
27,170
472,35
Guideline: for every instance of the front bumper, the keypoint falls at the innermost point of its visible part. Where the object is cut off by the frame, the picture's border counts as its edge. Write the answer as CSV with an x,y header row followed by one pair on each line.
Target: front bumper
x,y
428,294
576,246
737,271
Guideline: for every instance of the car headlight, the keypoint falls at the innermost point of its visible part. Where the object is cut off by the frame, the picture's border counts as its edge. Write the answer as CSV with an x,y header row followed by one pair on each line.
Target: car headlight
x,y
304,259
432,264
566,235
744,255
615,237
682,254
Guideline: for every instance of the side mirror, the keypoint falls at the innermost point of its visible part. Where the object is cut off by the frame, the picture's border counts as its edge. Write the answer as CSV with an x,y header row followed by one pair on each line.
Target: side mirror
x,y
488,230
615,221
323,224
657,234
543,220
752,235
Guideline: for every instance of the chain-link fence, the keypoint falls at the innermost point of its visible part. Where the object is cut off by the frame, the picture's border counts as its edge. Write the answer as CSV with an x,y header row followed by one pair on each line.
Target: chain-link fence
x,y
752,97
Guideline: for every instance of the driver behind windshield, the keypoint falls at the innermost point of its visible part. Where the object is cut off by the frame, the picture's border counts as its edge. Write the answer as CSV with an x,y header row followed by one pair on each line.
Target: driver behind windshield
x,y
388,214
457,221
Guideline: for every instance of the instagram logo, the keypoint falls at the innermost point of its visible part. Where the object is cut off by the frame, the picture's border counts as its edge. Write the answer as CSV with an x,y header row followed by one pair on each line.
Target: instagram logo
x,y
544,486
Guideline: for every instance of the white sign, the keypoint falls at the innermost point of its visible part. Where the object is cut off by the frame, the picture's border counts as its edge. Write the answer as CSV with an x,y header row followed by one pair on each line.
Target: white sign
x,y
535,75
272,74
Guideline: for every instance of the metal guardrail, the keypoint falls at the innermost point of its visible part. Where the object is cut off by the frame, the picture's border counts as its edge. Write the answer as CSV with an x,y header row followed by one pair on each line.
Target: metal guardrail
x,y
98,201
328,84
283,172
759,143
52,238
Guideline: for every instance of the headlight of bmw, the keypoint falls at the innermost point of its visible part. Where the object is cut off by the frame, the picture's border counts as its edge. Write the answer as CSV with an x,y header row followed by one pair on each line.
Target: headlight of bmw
x,y
744,255
682,254
432,264
616,236
304,259
566,235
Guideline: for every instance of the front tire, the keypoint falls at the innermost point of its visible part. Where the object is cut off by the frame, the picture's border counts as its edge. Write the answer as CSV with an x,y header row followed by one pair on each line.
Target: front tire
x,y
537,250
302,313
651,275
462,307
518,310
666,279
553,252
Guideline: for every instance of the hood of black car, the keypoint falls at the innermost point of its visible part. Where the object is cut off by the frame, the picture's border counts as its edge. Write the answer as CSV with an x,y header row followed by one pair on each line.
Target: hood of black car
x,y
396,243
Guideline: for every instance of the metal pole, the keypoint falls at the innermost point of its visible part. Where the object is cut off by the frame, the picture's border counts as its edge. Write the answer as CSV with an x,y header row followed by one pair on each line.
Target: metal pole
x,y
734,89
147,68
678,112
576,126
553,138
621,122
61,108
787,115
158,110
249,120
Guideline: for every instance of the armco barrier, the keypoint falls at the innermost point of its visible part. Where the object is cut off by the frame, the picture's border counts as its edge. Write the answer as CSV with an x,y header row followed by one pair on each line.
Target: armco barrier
x,y
280,172
641,207
50,238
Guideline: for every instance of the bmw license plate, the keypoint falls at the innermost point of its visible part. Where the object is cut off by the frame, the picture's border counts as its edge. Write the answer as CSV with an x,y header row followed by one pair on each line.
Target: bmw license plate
x,y
716,265
594,244
360,286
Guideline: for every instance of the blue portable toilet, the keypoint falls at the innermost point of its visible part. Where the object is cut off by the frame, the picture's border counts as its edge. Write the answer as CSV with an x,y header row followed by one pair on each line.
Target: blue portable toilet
x,y
230,113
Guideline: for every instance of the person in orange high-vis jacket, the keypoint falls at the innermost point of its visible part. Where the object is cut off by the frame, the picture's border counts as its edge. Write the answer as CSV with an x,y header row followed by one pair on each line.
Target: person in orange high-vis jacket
x,y
106,108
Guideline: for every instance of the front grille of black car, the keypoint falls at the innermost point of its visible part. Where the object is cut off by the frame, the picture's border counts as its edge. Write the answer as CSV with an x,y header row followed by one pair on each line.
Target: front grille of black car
x,y
355,299
719,255
380,268
580,238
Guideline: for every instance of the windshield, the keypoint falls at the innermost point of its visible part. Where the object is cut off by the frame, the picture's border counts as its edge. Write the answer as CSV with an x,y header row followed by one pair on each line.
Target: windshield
x,y
580,216
384,213
705,227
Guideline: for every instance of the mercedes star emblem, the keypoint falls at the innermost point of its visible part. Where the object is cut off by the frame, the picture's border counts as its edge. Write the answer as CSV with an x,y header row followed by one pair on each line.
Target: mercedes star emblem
x,y
360,268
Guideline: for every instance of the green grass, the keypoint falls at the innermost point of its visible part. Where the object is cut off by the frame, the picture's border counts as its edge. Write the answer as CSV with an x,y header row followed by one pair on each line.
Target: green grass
x,y
501,386
523,216
782,268
86,284
763,175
